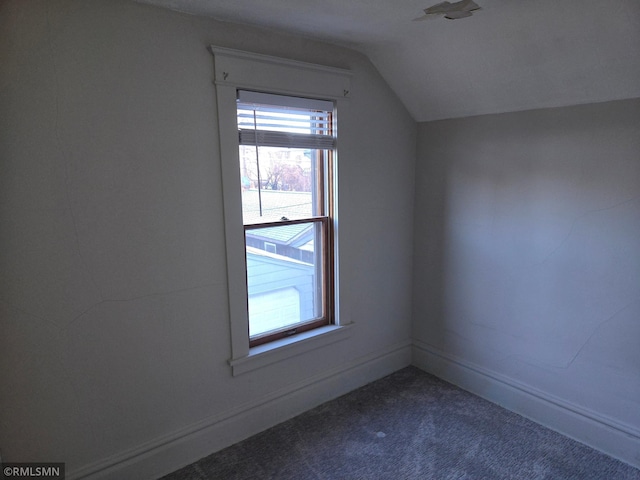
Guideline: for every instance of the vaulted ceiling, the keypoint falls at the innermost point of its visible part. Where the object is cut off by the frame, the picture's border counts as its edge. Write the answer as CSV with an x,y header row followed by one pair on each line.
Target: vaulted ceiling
x,y
511,55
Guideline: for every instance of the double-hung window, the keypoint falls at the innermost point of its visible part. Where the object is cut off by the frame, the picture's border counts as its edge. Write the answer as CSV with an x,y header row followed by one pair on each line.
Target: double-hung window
x,y
278,125
286,147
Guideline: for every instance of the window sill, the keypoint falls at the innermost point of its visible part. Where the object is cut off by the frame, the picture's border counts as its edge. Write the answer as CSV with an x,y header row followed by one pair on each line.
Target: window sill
x,y
273,352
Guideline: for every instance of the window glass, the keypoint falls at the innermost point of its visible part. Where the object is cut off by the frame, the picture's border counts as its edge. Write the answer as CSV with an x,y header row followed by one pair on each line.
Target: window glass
x,y
273,276
288,183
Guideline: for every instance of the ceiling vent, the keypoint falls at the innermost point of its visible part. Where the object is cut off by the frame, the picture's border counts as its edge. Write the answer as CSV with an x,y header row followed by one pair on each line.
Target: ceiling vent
x,y
451,11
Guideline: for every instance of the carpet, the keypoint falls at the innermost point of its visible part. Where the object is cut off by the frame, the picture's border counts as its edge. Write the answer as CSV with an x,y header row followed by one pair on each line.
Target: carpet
x,y
408,425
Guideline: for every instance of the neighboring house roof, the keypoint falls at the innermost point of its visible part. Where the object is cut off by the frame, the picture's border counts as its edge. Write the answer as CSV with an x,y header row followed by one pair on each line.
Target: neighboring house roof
x,y
275,205
294,235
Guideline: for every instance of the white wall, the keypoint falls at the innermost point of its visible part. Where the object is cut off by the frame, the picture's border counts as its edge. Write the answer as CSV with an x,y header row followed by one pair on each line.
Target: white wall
x,y
527,265
113,295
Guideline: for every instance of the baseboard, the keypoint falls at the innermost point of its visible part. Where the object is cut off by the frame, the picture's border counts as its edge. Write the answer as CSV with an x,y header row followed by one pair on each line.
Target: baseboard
x,y
164,455
591,428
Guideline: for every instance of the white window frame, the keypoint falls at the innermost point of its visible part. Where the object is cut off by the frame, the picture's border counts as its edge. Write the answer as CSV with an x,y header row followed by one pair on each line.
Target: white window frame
x,y
234,70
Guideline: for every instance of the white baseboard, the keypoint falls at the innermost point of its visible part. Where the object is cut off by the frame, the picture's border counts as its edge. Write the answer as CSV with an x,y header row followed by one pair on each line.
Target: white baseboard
x,y
164,455
586,426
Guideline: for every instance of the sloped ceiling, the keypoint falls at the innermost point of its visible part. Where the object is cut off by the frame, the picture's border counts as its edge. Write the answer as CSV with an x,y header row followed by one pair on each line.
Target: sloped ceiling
x,y
511,55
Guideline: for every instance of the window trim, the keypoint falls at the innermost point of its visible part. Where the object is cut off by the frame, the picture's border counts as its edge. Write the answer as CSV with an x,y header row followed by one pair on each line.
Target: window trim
x,y
237,70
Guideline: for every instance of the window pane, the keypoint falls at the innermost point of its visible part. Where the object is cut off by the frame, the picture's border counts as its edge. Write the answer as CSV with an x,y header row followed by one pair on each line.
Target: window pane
x,y
273,310
285,286
279,182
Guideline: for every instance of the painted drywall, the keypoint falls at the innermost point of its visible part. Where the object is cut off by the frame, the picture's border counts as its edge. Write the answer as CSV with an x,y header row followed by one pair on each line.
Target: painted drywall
x,y
113,296
527,255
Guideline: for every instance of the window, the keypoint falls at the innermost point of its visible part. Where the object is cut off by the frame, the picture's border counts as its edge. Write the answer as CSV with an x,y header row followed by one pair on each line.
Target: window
x,y
277,122
285,156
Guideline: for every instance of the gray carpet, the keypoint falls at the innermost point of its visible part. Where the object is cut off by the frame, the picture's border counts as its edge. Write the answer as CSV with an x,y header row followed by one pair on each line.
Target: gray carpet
x,y
409,425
